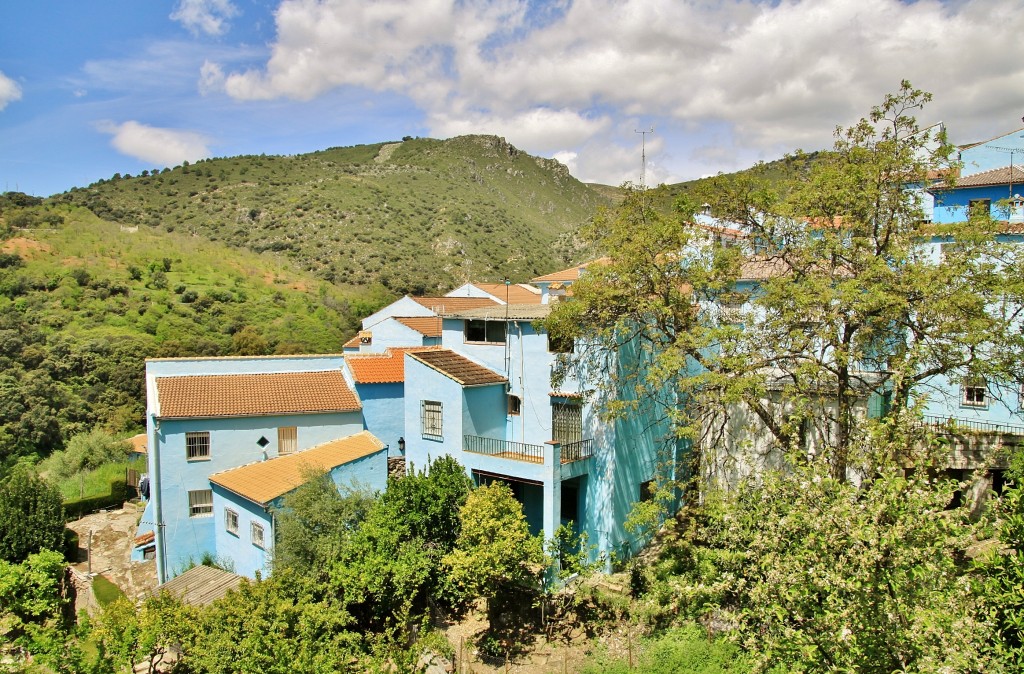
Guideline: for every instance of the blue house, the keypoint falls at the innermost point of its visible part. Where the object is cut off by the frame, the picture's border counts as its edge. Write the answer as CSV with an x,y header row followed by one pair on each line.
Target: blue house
x,y
210,415
246,498
380,384
486,399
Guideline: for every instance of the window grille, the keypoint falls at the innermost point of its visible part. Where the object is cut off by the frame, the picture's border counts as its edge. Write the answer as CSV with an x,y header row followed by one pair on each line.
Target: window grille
x,y
566,423
430,419
197,446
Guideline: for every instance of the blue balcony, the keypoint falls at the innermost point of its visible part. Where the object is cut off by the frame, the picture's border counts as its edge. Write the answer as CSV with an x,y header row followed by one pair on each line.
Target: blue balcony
x,y
521,451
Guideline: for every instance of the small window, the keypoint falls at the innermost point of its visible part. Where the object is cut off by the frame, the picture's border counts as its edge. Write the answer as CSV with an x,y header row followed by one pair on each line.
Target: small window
x,y
200,503
430,420
256,533
560,344
287,439
197,446
979,208
515,405
231,521
485,332
975,393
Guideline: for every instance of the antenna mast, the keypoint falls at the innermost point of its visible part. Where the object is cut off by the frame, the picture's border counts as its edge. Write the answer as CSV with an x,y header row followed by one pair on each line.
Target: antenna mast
x,y
643,156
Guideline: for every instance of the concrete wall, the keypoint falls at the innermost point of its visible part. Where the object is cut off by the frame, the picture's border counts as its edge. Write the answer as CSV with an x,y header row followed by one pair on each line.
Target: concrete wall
x,y
985,157
405,307
952,205
425,383
237,551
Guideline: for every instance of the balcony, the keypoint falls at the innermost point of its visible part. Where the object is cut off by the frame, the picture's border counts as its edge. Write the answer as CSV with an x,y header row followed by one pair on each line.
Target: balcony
x,y
954,425
521,451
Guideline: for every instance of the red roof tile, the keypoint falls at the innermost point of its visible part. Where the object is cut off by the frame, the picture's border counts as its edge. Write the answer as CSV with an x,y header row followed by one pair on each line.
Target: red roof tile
x,y
382,368
458,368
428,326
246,395
570,274
264,481
443,304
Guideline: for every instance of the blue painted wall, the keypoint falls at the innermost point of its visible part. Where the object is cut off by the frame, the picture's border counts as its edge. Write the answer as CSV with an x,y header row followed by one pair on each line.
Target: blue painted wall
x,y
985,157
384,412
951,205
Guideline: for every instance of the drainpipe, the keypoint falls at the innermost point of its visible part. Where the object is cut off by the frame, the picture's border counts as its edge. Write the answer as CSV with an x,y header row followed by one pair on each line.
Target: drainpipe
x,y
155,482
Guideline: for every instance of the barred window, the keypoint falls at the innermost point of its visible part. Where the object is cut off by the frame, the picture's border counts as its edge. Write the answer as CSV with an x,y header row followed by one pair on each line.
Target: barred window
x,y
197,446
566,422
287,439
200,503
231,521
430,419
256,533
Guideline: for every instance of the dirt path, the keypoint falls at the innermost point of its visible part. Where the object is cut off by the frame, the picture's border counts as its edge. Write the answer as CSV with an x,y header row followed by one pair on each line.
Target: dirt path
x,y
113,535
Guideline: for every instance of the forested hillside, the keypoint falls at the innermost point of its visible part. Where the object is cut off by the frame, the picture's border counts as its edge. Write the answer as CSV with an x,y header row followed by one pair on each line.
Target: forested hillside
x,y
84,301
417,216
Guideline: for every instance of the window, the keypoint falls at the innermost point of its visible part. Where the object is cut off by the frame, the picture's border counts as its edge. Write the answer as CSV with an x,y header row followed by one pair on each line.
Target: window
x,y
430,419
485,332
256,534
515,405
287,440
566,422
975,393
647,491
231,521
560,344
200,503
197,446
979,208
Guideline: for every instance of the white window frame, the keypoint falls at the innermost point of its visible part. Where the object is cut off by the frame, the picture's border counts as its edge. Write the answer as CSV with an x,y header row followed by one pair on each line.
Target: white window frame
x,y
231,521
257,535
432,419
974,393
200,503
197,446
287,440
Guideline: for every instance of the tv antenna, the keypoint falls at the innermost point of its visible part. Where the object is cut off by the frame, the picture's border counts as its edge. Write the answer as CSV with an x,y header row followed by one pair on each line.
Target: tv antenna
x,y
643,156
1012,151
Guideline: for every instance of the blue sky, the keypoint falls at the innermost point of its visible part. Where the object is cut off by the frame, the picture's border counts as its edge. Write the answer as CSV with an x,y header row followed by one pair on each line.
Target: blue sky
x,y
89,89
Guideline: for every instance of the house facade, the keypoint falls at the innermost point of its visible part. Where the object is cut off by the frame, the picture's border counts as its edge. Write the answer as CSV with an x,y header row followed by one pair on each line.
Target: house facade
x,y
210,415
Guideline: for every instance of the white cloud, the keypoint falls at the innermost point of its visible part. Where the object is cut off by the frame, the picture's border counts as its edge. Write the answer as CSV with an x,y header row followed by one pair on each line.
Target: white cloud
x,y
162,147
9,91
204,16
771,77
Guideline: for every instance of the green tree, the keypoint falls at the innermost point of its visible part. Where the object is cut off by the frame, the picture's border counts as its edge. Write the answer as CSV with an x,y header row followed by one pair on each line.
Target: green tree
x,y
33,595
249,342
315,523
828,300
819,575
87,451
495,557
31,515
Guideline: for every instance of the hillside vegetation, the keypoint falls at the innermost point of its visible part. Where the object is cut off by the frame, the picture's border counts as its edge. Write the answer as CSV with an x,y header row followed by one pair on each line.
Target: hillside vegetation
x,y
417,216
84,301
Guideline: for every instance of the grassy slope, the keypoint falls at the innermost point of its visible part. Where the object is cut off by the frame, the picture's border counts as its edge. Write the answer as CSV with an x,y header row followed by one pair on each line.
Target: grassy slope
x,y
418,216
85,302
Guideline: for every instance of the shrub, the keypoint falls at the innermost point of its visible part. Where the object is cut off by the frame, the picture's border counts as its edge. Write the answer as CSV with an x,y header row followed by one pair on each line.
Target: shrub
x,y
31,516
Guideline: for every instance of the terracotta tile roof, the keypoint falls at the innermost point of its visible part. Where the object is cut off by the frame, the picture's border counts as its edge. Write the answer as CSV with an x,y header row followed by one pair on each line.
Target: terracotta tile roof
x,y
518,293
570,274
428,326
247,395
442,304
352,343
460,369
264,481
999,176
501,312
382,368
138,443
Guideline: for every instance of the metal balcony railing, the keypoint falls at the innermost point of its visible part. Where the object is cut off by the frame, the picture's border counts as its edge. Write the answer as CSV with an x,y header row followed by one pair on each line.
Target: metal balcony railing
x,y
955,425
521,451
518,451
577,451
